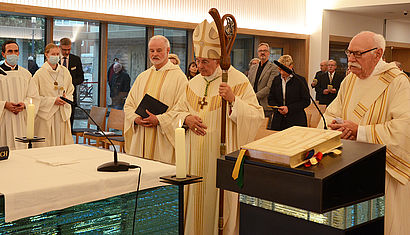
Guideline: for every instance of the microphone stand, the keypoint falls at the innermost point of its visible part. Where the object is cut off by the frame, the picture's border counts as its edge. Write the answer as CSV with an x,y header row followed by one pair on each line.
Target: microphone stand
x,y
290,71
109,166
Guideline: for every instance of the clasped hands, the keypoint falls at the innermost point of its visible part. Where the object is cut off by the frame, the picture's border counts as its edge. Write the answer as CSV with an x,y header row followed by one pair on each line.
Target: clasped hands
x,y
150,121
327,91
14,108
348,129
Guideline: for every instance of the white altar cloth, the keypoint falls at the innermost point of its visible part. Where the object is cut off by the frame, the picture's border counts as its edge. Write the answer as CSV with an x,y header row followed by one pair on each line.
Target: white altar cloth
x,y
35,181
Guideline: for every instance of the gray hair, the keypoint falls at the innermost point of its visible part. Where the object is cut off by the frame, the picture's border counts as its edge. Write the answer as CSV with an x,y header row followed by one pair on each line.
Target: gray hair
x,y
156,37
264,44
331,61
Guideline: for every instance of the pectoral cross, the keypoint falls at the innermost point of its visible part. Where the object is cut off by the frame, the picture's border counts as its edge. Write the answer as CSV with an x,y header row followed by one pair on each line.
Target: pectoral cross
x,y
202,102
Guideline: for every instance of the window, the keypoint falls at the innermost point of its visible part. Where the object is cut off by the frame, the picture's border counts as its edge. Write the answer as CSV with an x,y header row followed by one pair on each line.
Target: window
x,y
242,52
275,54
29,33
178,40
85,40
127,46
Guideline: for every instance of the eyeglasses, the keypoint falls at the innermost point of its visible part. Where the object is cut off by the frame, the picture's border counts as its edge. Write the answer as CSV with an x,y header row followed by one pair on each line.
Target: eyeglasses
x,y
263,51
358,54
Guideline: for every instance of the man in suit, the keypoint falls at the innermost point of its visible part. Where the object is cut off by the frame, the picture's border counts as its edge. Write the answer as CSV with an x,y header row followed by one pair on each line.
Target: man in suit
x,y
74,65
323,69
328,84
261,76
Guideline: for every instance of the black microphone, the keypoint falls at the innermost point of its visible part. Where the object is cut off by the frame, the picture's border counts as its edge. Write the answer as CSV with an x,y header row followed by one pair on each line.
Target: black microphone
x,y
290,72
109,166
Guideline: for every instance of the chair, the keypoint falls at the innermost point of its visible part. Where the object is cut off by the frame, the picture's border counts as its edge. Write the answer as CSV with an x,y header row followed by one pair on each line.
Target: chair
x,y
313,116
112,123
98,114
116,122
263,131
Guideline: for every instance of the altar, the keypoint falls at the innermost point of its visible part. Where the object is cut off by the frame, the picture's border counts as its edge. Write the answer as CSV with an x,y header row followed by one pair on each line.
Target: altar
x,y
341,195
58,190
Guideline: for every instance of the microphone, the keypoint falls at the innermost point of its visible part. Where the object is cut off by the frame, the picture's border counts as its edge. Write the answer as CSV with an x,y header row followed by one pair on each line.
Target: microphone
x,y
290,72
109,166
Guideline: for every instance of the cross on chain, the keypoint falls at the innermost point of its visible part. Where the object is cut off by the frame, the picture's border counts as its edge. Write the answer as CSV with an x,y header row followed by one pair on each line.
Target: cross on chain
x,y
202,102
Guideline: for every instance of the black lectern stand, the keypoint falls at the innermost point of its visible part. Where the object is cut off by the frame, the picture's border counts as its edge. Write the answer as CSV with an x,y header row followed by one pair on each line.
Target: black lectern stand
x,y
356,176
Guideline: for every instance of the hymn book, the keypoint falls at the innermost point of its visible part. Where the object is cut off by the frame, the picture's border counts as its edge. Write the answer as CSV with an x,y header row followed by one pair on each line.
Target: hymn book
x,y
289,147
151,104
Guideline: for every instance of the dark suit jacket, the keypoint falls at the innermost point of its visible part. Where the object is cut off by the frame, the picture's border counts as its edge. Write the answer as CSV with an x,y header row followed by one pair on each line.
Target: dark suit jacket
x,y
76,70
264,82
297,99
323,81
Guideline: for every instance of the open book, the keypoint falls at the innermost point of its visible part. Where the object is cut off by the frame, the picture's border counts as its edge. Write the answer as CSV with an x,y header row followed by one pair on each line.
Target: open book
x,y
289,147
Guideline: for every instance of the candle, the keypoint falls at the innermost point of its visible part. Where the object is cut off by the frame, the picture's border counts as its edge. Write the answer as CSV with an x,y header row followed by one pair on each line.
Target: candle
x,y
180,151
30,119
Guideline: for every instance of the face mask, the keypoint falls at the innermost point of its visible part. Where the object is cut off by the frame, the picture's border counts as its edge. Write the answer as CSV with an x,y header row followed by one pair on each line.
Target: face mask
x,y
12,59
53,59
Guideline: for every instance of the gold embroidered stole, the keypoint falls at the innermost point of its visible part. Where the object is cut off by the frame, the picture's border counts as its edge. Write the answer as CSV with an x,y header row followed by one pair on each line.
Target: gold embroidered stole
x,y
153,87
214,102
371,110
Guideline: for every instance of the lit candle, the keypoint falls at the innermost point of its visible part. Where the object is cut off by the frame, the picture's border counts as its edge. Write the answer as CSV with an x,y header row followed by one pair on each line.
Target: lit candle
x,y
30,119
180,151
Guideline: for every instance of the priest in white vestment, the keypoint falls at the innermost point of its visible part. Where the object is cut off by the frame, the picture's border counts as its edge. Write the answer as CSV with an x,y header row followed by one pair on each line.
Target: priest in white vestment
x,y
53,118
374,103
16,91
200,108
147,137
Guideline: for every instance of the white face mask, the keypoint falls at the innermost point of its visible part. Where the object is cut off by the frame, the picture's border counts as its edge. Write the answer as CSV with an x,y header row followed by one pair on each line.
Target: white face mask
x,y
12,59
53,59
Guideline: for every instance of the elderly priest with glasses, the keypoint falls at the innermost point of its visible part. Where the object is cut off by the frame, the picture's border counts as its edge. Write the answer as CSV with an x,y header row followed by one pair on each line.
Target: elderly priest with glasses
x,y
374,104
200,108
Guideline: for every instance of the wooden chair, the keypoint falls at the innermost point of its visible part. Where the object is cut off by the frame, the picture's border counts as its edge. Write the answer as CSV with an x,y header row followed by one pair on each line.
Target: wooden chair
x,y
98,114
313,116
111,124
263,131
116,122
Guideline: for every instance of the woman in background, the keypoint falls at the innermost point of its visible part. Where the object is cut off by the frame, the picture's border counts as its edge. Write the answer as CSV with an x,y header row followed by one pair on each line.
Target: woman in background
x,y
289,96
192,70
53,118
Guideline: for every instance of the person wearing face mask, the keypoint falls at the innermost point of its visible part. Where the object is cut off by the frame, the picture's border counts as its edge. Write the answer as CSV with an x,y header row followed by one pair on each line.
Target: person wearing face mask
x,y
53,118
149,137
16,91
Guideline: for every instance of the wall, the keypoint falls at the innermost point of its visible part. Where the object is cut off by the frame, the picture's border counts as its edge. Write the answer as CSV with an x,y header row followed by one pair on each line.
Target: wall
x,y
398,31
279,15
348,25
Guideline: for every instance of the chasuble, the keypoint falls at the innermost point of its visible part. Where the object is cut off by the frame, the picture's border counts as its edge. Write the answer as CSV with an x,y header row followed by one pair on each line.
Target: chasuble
x,y
242,122
166,85
380,105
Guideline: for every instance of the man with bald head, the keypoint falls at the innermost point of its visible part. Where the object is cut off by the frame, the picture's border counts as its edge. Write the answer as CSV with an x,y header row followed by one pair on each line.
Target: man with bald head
x,y
149,137
374,103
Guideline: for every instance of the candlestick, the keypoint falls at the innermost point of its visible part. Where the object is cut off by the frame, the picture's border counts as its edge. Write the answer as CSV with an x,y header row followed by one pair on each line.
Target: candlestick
x,y
180,151
30,119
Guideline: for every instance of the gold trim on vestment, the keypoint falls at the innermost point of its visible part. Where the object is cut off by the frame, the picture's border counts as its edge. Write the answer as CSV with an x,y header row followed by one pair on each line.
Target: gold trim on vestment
x,y
350,84
214,102
153,87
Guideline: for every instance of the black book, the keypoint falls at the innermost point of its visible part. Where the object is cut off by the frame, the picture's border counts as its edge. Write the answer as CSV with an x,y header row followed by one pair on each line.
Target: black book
x,y
151,104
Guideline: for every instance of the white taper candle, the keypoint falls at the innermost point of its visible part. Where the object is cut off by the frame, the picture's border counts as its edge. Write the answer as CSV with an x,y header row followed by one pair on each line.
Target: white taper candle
x,y
180,151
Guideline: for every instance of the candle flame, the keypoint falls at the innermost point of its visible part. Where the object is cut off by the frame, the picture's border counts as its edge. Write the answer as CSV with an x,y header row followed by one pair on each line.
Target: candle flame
x,y
180,123
31,101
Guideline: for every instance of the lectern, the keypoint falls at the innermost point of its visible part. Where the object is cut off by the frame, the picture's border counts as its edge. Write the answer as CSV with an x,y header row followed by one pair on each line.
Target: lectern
x,y
341,195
